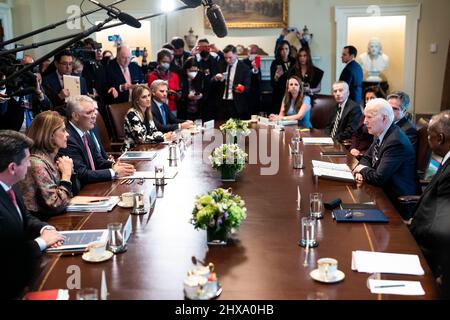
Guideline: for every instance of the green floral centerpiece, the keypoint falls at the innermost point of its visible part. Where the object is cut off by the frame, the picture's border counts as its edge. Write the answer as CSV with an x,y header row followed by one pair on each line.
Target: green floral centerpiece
x,y
220,213
234,128
229,159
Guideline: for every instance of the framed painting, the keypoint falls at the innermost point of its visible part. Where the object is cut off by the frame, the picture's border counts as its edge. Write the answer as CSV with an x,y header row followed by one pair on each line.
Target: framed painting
x,y
253,13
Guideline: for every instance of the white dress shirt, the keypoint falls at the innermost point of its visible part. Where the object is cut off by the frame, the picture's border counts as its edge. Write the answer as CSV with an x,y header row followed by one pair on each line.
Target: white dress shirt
x,y
231,84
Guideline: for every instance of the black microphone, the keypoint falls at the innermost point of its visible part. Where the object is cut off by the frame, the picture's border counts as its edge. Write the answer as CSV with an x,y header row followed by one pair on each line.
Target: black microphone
x,y
122,16
192,3
216,19
22,92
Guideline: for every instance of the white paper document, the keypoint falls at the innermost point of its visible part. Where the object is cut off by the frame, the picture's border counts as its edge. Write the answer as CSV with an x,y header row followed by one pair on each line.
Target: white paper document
x,y
169,173
380,262
103,204
138,155
73,84
329,170
406,288
323,140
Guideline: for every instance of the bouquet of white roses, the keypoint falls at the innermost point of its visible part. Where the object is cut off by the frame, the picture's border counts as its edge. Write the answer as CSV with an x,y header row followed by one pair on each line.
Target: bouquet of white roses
x,y
228,155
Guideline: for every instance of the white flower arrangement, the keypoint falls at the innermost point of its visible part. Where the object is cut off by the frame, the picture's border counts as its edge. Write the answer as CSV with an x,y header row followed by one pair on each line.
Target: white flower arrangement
x,y
235,126
228,154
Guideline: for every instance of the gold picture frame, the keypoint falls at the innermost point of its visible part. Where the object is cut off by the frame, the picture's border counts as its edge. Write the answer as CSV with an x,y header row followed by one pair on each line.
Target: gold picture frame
x,y
240,14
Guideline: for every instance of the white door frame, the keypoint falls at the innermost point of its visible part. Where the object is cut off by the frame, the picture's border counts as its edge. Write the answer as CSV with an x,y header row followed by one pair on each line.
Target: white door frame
x,y
412,13
5,15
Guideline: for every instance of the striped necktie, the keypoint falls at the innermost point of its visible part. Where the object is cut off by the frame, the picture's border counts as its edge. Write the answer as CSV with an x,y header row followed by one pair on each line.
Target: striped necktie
x,y
336,122
376,150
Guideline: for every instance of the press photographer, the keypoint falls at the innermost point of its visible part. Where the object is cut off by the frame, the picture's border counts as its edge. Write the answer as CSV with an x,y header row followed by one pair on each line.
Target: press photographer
x,y
22,98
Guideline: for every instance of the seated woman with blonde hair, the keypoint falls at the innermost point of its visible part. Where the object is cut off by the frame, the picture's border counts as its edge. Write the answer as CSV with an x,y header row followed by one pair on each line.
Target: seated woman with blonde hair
x,y
47,187
139,126
296,105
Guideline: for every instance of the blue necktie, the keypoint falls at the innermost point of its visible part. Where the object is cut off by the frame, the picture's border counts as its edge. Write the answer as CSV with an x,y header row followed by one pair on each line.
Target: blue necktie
x,y
163,114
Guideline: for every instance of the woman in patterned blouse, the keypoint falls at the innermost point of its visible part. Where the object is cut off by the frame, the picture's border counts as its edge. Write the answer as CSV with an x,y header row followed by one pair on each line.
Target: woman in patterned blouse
x,y
139,126
47,187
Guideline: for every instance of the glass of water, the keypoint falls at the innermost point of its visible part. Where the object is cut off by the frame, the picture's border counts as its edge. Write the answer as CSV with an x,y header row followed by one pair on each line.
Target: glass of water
x,y
316,205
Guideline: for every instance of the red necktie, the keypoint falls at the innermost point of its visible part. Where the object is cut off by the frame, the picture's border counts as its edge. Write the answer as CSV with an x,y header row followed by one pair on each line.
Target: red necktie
x,y
88,151
12,195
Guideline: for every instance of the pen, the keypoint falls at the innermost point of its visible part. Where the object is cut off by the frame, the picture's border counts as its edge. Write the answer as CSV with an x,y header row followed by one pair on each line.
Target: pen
x,y
96,201
390,286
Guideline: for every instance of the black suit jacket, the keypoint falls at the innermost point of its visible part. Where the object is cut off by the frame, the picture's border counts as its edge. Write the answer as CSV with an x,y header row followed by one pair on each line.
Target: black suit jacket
x,y
431,224
353,75
348,123
410,129
20,250
98,136
254,95
115,78
52,88
243,77
171,121
76,150
395,171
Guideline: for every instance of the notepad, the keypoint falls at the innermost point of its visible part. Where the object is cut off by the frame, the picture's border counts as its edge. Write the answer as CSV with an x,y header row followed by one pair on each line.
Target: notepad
x,y
406,288
72,83
380,262
85,204
333,171
314,140
169,173
359,215
138,155
78,240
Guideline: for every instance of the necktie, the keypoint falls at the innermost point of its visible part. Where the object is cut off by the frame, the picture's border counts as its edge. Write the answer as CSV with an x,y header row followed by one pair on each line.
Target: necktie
x,y
88,151
12,196
97,145
336,122
163,114
127,76
227,85
376,150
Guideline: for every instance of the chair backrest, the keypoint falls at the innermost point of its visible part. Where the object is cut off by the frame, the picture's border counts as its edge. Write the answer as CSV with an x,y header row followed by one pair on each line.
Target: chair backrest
x,y
106,139
423,148
322,110
117,114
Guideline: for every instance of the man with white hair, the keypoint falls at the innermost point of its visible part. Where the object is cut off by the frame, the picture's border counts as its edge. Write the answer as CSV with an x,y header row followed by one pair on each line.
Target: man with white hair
x,y
87,161
344,122
122,76
390,162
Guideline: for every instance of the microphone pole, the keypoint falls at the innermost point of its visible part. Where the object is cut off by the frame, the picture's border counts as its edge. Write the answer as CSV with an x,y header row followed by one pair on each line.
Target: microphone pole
x,y
80,36
52,26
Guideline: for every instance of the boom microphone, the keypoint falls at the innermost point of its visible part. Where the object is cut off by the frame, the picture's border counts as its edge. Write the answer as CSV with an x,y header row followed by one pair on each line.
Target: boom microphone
x,y
122,16
192,3
216,19
22,92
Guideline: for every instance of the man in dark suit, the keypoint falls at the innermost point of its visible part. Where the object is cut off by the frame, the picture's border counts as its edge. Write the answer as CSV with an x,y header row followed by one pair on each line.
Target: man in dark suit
x,y
179,56
234,78
352,73
254,95
88,163
345,120
164,120
122,76
390,162
23,236
53,83
431,220
399,102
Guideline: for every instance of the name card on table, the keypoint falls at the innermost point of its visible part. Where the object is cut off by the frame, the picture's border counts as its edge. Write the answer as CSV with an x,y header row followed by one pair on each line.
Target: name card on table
x,y
263,120
127,229
209,125
152,197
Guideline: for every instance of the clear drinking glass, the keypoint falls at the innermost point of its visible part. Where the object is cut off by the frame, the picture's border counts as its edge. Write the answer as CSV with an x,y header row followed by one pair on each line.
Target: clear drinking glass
x,y
159,175
316,205
308,232
298,160
115,237
87,294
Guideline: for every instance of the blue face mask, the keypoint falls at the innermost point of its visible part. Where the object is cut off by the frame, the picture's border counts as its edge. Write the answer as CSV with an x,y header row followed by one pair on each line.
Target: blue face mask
x,y
164,66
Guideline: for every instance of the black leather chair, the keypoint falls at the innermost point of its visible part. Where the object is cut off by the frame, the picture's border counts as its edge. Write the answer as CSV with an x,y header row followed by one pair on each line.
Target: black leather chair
x,y
322,110
117,114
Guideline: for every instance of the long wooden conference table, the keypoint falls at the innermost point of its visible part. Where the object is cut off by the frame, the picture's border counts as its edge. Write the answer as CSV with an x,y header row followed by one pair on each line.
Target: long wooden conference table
x,y
264,261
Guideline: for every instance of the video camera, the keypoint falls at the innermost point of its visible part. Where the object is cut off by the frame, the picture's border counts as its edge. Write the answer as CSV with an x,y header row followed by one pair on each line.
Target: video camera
x,y
10,65
86,55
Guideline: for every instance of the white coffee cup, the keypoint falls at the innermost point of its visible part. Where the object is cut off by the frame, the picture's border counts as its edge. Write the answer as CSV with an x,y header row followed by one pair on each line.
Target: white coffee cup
x,y
327,268
127,199
192,286
96,249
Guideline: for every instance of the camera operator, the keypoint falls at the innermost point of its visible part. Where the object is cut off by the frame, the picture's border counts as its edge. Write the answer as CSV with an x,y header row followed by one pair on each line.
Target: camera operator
x,y
53,82
29,99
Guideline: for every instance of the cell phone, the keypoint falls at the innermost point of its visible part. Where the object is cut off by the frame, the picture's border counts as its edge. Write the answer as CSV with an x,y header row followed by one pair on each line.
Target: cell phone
x,y
333,153
292,29
279,67
113,38
20,54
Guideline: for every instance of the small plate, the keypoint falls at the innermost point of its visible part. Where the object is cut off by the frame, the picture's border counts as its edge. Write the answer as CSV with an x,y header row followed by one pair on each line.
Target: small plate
x,y
106,256
123,205
316,276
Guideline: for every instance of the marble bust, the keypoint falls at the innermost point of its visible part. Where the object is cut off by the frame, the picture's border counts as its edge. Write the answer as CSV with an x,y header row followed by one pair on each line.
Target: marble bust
x,y
374,61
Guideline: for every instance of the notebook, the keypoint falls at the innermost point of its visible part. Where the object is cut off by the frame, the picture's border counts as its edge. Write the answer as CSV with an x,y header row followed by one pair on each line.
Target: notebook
x,y
138,155
359,215
78,240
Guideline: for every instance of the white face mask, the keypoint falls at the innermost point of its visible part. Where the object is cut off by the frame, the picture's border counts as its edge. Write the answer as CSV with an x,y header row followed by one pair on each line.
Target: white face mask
x,y
192,75
3,91
252,57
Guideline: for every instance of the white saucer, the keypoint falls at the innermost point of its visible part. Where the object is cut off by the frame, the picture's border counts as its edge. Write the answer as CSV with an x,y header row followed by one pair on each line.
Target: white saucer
x,y
316,276
106,256
122,205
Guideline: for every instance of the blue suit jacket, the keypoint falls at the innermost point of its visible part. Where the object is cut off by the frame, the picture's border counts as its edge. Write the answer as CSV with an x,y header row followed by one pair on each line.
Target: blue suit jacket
x,y
76,150
52,88
171,121
115,78
395,171
353,75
